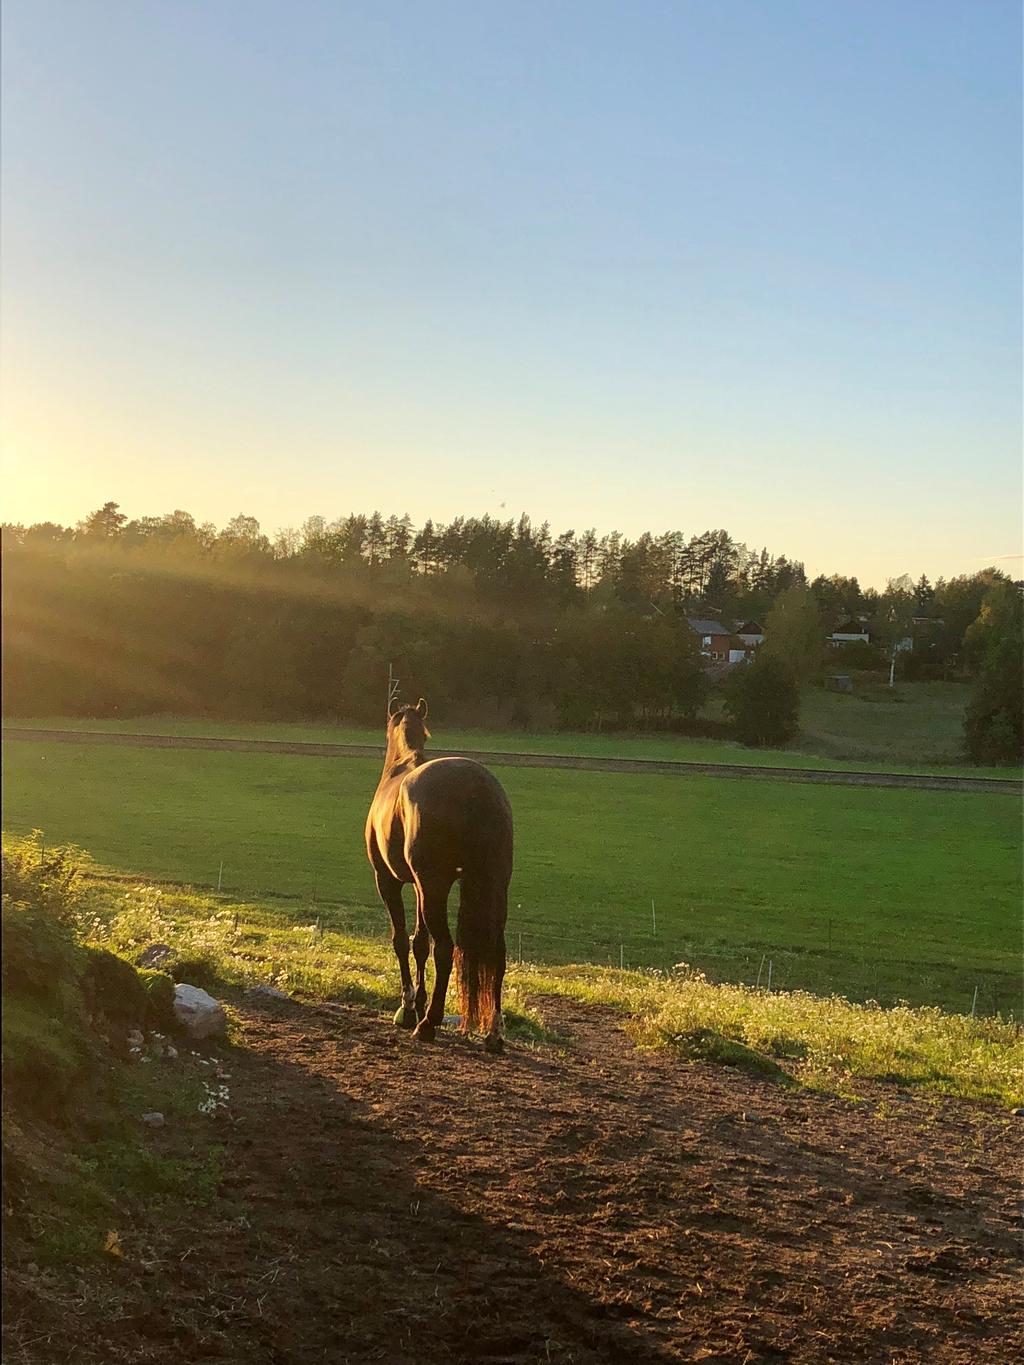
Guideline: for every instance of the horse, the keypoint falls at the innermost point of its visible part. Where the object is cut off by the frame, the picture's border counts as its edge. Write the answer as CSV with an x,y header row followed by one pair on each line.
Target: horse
x,y
433,822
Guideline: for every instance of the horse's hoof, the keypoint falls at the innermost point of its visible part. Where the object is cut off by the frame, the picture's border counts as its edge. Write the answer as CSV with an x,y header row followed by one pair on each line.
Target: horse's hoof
x,y
404,1017
425,1031
494,1043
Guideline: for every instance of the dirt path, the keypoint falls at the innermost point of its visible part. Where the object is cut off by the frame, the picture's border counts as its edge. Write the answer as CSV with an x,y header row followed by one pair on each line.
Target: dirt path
x,y
498,758
388,1202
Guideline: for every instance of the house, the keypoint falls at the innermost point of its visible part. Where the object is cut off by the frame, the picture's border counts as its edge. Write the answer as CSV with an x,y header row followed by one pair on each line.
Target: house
x,y
750,632
715,640
849,633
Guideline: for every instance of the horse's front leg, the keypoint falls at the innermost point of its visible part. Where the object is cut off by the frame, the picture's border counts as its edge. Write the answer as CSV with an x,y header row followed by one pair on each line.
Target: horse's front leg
x,y
432,906
390,889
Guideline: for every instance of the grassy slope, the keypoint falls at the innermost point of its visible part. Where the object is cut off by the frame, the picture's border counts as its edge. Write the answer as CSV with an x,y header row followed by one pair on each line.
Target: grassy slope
x,y
917,729
819,1041
918,891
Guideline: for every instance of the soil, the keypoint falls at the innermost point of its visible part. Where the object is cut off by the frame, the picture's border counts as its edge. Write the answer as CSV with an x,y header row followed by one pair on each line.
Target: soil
x,y
386,1201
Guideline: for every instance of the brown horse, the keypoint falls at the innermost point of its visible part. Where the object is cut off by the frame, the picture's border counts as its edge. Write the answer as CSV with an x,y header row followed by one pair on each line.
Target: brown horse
x,y
432,822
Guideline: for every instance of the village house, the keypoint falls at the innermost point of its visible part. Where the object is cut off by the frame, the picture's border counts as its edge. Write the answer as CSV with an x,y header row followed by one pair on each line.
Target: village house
x,y
717,643
750,632
849,633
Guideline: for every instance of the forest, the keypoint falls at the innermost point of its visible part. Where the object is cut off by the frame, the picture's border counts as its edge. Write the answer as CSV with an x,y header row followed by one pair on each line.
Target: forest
x,y
512,624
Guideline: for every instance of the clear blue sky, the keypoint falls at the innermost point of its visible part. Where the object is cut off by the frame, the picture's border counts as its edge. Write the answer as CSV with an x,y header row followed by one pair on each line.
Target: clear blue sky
x,y
633,265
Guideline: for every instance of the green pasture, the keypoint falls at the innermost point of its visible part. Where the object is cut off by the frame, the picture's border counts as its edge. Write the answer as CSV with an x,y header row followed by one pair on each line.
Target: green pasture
x,y
870,892
915,728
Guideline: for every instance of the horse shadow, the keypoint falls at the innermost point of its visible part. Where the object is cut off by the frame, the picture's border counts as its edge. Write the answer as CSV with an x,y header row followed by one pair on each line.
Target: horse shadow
x,y
329,1246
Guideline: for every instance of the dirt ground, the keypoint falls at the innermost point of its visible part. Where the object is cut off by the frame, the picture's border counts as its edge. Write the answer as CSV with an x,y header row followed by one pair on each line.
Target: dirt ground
x,y
385,1201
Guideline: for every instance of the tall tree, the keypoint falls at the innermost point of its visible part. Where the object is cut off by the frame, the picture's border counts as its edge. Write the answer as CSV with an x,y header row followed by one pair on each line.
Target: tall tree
x,y
763,701
793,633
994,722
105,523
894,621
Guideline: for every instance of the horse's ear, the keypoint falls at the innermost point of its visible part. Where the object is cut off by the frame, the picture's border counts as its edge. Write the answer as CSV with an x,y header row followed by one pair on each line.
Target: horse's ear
x,y
421,707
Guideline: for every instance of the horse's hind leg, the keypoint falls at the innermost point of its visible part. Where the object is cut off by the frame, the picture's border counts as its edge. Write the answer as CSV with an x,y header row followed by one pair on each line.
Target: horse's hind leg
x,y
391,894
433,912
495,1039
420,951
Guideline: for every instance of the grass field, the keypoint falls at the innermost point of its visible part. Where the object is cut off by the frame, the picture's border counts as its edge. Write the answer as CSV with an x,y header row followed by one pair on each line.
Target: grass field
x,y
870,892
916,729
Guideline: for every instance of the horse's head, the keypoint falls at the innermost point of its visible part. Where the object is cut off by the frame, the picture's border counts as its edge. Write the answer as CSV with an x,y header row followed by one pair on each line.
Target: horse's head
x,y
406,728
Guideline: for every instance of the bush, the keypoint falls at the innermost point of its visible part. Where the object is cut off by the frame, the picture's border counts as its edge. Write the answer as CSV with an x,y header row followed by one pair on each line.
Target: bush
x,y
854,656
159,988
48,881
763,701
112,987
51,984
40,959
994,720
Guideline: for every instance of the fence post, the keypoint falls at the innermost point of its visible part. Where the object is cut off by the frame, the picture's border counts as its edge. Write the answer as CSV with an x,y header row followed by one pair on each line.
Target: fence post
x,y
220,876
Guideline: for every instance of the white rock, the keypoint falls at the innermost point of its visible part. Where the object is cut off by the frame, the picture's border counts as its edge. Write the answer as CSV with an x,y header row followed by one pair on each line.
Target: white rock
x,y
170,1052
268,992
198,1013
154,1119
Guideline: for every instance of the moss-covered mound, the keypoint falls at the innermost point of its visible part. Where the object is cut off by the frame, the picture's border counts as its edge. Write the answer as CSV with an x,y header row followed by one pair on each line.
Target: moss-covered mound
x,y
64,1003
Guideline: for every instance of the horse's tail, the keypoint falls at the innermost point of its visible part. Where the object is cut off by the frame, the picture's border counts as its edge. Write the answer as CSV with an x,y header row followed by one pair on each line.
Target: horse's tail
x,y
480,946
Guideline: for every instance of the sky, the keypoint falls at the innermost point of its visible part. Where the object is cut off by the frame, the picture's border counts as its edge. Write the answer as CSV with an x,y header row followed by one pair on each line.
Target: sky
x,y
708,263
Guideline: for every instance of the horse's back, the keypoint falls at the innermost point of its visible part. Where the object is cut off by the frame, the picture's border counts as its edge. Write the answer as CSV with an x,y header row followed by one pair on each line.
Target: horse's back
x,y
459,804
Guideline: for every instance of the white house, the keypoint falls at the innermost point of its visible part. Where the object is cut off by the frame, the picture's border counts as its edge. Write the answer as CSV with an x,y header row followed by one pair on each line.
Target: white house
x,y
849,633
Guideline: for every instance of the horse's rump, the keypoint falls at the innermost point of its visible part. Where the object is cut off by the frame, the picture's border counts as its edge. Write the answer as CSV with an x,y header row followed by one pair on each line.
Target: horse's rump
x,y
459,823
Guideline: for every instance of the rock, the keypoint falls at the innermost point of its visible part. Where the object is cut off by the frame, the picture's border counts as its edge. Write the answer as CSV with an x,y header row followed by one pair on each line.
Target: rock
x,y
170,1052
136,1038
1017,1113
155,955
154,1119
268,992
198,1013
452,1020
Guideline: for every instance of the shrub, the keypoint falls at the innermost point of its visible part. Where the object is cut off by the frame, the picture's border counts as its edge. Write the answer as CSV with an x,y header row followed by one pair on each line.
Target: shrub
x,y
48,881
159,989
112,987
51,983
763,701
994,720
40,960
856,655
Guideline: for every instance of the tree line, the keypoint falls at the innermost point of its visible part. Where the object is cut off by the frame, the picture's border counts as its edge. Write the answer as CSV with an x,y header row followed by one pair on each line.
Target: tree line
x,y
509,622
